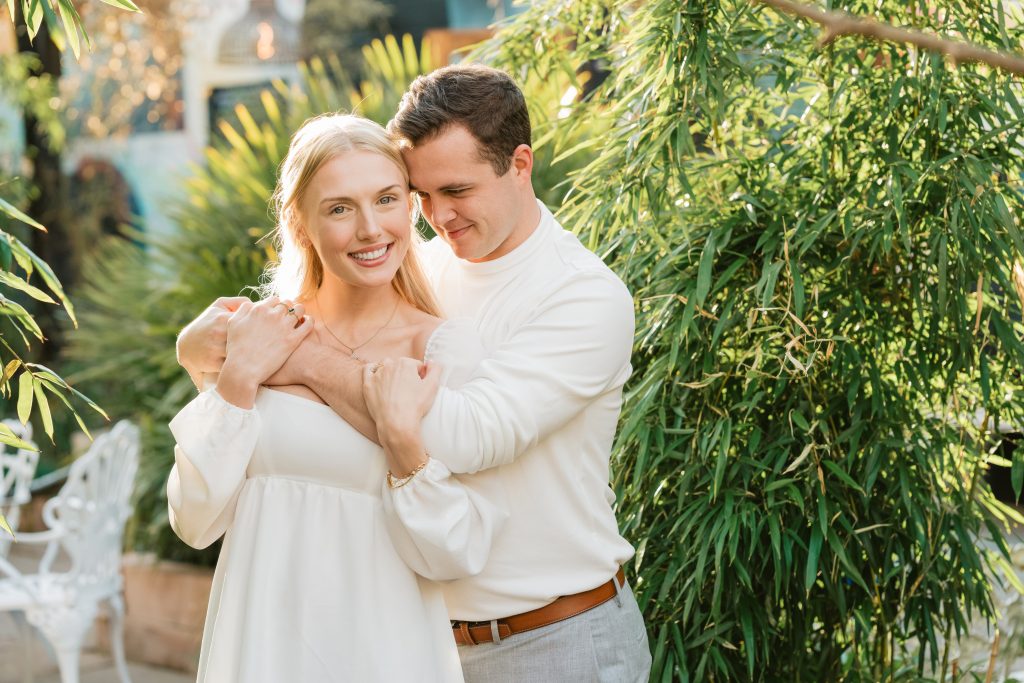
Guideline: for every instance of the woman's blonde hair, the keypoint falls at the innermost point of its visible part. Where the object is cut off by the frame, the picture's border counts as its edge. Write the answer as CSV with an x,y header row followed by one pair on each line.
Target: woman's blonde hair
x,y
299,272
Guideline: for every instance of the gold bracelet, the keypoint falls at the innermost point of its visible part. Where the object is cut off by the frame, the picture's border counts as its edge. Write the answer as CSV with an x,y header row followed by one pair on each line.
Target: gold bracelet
x,y
395,482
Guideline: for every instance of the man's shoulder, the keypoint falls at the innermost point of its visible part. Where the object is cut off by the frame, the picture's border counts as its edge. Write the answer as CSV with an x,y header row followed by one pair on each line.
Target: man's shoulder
x,y
574,262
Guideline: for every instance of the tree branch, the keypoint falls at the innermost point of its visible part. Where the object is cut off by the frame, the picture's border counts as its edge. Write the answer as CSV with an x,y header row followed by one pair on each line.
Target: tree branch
x,y
837,24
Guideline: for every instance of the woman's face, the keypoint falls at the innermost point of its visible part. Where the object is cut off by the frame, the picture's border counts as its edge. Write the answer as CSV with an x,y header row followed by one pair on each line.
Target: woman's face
x,y
356,212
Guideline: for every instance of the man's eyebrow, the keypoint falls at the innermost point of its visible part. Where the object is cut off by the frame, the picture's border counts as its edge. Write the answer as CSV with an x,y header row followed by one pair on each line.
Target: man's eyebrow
x,y
349,199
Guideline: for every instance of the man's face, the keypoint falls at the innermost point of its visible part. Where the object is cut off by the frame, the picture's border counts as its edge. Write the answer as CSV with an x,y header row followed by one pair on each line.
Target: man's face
x,y
477,212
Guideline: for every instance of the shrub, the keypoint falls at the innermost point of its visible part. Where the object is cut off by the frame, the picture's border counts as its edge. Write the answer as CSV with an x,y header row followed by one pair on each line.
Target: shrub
x,y
820,242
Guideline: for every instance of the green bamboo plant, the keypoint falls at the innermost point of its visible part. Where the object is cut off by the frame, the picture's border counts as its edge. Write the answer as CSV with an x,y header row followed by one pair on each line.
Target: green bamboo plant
x,y
23,275
820,241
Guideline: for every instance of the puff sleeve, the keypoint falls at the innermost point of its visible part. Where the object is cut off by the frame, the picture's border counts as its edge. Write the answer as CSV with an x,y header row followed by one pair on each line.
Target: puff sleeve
x,y
214,442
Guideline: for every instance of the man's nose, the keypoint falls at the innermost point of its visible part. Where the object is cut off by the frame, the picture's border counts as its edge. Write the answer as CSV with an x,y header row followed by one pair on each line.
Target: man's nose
x,y
442,211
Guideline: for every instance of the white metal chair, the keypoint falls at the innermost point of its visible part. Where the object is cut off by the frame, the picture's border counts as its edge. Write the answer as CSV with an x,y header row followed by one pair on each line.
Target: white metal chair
x,y
17,468
85,521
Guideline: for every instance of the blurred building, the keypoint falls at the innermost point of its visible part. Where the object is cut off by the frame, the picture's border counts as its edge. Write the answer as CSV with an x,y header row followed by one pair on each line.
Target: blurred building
x,y
144,104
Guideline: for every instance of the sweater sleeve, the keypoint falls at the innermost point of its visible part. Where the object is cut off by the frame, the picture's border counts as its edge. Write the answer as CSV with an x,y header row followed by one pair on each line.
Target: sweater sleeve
x,y
214,443
441,525
574,347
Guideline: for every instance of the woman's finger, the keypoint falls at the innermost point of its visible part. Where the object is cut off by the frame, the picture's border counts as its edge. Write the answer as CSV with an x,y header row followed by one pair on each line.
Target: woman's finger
x,y
303,327
431,377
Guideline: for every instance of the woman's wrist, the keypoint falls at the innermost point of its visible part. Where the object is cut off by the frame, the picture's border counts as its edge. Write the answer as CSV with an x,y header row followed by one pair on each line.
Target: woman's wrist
x,y
237,386
398,482
401,442
404,451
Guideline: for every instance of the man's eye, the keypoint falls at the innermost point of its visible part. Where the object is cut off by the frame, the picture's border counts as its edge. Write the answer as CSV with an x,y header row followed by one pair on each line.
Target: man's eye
x,y
338,210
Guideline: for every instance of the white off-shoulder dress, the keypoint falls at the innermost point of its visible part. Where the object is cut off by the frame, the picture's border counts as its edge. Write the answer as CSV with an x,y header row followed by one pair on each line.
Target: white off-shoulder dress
x,y
309,586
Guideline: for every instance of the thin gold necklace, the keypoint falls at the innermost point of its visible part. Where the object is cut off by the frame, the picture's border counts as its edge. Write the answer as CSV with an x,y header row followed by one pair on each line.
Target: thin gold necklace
x,y
352,349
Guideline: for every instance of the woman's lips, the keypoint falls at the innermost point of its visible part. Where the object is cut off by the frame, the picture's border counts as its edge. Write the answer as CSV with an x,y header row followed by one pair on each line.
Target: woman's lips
x,y
371,258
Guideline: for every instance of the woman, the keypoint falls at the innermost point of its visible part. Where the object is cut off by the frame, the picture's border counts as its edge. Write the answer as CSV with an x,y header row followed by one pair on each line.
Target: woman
x,y
309,586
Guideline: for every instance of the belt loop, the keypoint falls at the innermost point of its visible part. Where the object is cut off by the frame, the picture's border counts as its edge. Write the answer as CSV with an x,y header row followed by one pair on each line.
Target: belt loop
x,y
464,627
618,589
494,631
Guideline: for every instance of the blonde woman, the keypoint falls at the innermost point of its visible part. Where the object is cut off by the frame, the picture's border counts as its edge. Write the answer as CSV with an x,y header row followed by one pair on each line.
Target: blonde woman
x,y
309,586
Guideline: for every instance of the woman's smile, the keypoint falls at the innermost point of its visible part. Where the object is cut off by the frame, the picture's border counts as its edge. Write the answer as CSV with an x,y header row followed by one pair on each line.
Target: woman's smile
x,y
371,257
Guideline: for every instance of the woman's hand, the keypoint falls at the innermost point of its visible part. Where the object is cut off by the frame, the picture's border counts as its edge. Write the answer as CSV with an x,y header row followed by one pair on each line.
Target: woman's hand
x,y
260,337
201,344
398,393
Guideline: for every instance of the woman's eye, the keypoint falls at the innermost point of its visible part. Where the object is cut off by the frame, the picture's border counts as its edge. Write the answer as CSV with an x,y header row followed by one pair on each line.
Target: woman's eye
x,y
387,199
338,210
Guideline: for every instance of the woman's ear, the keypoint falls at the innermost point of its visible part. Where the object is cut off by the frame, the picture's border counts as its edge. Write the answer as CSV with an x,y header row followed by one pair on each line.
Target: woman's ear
x,y
298,231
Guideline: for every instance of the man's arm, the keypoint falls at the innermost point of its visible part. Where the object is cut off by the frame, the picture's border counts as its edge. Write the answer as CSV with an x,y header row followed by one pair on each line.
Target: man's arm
x,y
574,348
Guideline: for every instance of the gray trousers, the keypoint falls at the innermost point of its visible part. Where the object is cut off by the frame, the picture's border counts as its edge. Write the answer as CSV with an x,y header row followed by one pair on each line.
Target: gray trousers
x,y
607,644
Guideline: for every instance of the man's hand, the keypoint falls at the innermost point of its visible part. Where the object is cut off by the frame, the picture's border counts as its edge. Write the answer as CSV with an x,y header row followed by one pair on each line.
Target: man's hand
x,y
202,345
295,369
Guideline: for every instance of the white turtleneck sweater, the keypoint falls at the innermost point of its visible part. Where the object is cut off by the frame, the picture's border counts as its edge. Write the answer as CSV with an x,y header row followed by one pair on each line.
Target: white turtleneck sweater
x,y
532,430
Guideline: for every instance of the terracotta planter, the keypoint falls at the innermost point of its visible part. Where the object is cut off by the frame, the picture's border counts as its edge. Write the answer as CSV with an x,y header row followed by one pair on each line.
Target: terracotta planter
x,y
166,608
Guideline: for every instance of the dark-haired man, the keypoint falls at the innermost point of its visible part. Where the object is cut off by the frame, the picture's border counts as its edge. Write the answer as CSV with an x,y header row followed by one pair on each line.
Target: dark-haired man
x,y
538,420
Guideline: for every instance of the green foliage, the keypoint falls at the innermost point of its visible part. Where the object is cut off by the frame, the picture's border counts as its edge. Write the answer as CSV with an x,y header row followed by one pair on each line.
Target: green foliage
x,y
25,279
68,31
33,92
820,242
332,29
37,384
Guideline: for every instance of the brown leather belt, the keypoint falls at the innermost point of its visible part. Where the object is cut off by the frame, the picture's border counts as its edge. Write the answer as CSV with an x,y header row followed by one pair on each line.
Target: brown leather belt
x,y
476,632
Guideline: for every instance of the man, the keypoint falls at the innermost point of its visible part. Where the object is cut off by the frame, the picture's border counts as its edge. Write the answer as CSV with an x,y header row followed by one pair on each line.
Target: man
x,y
538,419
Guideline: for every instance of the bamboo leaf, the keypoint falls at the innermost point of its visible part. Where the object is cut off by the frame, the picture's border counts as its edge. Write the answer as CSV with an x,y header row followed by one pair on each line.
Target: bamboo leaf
x,y
44,408
7,436
707,258
813,553
123,4
15,213
24,396
16,282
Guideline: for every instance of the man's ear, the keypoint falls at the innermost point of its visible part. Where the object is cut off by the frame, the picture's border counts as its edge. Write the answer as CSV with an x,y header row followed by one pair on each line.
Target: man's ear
x,y
522,161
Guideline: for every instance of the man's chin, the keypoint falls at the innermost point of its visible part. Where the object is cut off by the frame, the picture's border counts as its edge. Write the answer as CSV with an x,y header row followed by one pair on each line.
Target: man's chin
x,y
464,251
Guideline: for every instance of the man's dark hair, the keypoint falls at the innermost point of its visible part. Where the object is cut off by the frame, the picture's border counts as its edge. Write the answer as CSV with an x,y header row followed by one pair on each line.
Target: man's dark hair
x,y
484,100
